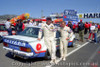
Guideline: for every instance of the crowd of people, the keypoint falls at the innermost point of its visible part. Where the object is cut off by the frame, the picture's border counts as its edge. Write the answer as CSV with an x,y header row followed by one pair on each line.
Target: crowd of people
x,y
84,28
20,25
49,28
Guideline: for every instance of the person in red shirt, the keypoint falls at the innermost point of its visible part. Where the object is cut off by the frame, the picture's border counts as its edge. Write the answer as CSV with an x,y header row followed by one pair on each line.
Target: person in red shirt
x,y
86,27
99,28
92,29
15,23
90,26
23,26
74,27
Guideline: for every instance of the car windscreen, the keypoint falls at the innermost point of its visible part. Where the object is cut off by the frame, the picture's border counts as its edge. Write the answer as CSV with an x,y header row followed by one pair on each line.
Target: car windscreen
x,y
30,32
2,28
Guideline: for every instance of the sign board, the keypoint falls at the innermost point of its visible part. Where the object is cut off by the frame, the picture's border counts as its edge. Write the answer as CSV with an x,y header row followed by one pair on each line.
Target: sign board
x,y
70,15
70,12
89,15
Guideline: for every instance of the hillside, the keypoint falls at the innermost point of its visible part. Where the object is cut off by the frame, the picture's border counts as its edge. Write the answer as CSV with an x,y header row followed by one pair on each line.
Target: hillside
x,y
4,17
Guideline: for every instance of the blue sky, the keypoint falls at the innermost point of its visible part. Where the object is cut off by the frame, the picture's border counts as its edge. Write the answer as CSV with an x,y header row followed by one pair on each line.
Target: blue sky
x,y
34,7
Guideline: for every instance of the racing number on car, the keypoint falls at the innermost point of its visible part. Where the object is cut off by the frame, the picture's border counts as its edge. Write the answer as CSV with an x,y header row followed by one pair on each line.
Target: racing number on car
x,y
38,46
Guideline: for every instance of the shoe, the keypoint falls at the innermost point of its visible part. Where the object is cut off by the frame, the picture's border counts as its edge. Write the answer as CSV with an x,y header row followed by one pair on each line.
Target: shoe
x,y
95,43
61,58
88,40
55,61
93,39
64,59
51,62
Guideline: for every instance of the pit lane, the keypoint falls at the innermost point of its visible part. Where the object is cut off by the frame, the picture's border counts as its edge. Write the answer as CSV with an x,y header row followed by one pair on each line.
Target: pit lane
x,y
7,60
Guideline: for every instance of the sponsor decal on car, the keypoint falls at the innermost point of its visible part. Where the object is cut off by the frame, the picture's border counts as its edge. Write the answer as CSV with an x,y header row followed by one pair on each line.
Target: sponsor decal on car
x,y
15,42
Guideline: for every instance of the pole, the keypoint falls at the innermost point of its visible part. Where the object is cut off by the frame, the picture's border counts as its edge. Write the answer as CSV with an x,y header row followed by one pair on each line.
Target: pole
x,y
41,13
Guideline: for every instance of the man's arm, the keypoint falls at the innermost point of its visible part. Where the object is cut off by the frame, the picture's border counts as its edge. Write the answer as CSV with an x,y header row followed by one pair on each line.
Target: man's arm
x,y
54,30
70,32
40,33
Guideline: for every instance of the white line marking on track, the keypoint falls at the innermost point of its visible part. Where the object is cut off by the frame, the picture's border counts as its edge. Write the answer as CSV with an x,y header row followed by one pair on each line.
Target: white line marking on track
x,y
71,52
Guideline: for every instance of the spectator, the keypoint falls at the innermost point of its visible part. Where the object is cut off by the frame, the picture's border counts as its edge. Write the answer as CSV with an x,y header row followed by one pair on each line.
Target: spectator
x,y
90,26
25,24
95,34
99,28
19,26
81,30
70,25
86,27
40,24
92,29
15,23
34,23
74,28
8,27
29,23
77,31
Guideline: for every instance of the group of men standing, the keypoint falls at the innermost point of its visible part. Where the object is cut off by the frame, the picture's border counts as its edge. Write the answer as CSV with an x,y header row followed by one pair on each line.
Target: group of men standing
x,y
49,31
18,26
92,28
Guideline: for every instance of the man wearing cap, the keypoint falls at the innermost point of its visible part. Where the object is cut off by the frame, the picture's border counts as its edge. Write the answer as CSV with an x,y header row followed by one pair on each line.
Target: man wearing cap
x,y
49,38
81,30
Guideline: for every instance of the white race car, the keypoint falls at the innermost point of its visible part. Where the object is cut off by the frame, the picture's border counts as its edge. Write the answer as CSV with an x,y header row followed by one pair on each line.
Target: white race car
x,y
26,45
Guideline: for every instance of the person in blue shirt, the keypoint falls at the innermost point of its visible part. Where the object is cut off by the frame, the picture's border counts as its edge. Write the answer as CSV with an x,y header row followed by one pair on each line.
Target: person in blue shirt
x,y
81,30
95,34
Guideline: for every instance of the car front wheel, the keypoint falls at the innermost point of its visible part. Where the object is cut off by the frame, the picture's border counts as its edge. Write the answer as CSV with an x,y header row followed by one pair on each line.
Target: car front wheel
x,y
47,55
1,40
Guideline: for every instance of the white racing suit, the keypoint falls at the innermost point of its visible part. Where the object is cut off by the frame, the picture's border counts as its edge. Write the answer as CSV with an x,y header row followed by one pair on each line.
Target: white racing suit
x,y
66,32
49,38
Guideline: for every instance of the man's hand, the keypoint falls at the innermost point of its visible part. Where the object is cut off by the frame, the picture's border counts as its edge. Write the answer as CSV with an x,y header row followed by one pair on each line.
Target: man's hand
x,y
67,38
38,39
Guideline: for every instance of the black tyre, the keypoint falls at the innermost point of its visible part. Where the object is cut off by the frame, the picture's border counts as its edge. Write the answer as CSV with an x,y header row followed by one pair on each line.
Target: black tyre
x,y
1,40
47,55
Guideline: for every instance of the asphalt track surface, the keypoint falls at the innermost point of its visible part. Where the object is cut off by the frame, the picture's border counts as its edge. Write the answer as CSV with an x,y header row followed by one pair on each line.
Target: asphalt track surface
x,y
83,54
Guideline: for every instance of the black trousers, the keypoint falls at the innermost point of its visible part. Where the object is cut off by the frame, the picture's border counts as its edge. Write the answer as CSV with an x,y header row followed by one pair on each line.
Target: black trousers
x,y
86,30
74,30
